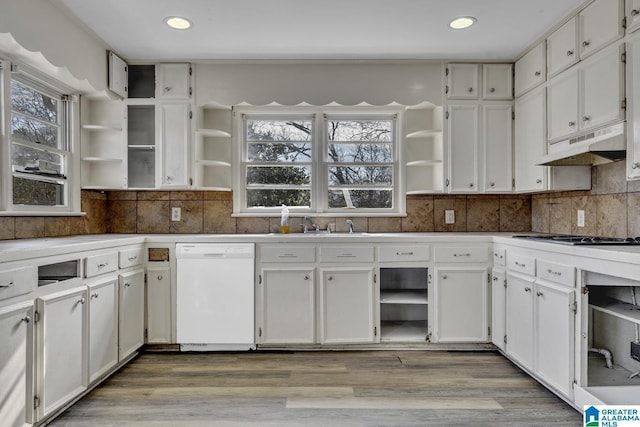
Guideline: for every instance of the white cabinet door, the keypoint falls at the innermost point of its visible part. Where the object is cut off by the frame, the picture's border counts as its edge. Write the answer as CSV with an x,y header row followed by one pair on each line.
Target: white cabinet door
x,y
118,77
519,318
173,81
601,85
174,132
159,304
463,81
554,335
633,15
347,306
103,327
16,360
562,106
498,307
562,50
600,24
461,302
497,132
62,361
633,107
531,70
530,141
131,312
497,81
287,306
463,133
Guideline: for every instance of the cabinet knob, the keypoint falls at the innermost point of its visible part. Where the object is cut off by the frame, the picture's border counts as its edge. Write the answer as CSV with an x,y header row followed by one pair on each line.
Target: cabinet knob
x,y
167,89
26,319
493,89
527,289
127,285
470,90
94,295
586,43
570,53
586,118
493,184
330,278
159,276
444,276
572,123
471,184
537,73
539,293
636,165
495,278
307,278
538,181
634,12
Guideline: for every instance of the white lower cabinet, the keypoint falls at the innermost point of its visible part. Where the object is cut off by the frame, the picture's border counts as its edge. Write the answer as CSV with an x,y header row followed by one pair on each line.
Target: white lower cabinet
x,y
159,304
131,312
16,360
288,306
62,349
103,326
498,307
519,314
461,301
347,306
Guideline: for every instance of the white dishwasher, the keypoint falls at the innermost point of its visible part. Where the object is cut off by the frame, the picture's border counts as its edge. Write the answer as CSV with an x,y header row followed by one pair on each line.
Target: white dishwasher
x,y
215,296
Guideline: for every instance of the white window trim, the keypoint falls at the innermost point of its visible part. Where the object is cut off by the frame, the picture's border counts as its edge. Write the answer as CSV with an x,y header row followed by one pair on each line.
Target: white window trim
x,y
49,85
319,184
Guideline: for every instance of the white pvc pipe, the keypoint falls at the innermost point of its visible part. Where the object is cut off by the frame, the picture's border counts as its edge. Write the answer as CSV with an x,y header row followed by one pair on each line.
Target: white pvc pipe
x,y
606,353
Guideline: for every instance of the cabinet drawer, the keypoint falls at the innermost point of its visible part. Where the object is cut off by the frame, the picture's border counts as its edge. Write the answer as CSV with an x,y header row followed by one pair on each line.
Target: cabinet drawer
x,y
17,281
521,263
130,257
346,254
499,256
557,273
403,253
100,264
287,254
462,254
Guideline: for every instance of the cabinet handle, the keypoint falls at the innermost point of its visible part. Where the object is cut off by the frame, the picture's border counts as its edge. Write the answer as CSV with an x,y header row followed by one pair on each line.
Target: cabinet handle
x,y
94,295
538,181
307,278
493,89
167,89
102,265
572,124
404,253
537,73
26,319
429,278
444,276
470,90
133,258
539,293
556,273
81,301
159,276
586,43
127,285
345,256
8,285
570,53
527,289
636,165
586,118
330,278
634,12
520,265
446,182
457,255
495,278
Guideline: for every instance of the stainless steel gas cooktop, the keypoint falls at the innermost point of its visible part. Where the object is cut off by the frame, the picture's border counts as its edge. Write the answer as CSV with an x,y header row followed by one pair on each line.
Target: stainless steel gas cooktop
x,y
580,240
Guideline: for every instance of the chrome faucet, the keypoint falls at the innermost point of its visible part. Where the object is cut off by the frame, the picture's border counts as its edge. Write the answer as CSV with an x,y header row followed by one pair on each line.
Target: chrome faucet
x,y
304,225
350,224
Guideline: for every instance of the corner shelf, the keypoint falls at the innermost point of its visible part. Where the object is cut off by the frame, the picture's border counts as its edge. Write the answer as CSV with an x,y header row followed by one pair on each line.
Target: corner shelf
x,y
424,149
213,143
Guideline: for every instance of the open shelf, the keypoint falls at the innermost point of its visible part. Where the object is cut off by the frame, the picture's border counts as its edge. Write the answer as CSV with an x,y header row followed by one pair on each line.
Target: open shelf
x,y
213,148
403,296
102,128
213,132
101,159
622,310
424,149
403,331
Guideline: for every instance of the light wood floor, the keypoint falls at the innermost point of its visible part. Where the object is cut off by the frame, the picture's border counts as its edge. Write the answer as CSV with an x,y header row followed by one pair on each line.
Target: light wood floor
x,y
329,388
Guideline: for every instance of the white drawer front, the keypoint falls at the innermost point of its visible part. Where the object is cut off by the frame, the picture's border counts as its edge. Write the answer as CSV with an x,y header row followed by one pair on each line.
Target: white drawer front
x,y
130,257
346,254
557,273
100,264
403,253
287,254
523,264
18,281
462,254
499,256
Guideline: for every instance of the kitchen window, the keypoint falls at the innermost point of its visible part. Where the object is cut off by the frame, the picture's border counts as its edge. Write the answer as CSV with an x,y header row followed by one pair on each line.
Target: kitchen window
x,y
329,161
38,144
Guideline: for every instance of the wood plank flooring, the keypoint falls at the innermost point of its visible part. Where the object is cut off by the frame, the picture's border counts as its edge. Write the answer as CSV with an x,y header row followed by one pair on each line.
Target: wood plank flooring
x,y
328,388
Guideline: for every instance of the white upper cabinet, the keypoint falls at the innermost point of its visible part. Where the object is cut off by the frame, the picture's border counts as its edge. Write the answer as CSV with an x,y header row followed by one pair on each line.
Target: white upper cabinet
x,y
562,48
173,82
530,140
497,81
174,133
600,24
633,15
562,106
118,78
463,81
531,69
497,132
463,130
633,107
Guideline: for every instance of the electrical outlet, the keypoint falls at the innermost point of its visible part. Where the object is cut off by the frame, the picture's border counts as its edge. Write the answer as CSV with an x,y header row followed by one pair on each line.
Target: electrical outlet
x,y
176,214
449,217
635,350
580,218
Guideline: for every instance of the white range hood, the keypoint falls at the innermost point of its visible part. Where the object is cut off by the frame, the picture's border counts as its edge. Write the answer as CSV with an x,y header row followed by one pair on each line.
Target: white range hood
x,y
604,145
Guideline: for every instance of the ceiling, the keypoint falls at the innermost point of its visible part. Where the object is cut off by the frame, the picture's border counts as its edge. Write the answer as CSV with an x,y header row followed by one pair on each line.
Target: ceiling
x,y
327,29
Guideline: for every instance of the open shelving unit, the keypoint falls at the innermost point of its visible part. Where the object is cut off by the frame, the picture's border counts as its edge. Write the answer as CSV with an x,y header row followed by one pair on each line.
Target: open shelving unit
x,y
403,304
213,155
424,150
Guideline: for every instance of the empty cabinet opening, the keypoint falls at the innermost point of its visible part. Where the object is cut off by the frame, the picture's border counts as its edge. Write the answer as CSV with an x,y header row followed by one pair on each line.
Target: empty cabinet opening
x,y
403,304
57,272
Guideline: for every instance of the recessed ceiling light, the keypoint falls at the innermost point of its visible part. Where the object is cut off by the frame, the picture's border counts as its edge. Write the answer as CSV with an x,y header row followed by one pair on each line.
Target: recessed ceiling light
x,y
462,22
177,22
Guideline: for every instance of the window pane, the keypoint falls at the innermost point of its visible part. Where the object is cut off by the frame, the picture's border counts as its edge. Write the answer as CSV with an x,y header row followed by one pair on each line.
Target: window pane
x,y
29,101
360,130
27,159
279,175
361,198
39,193
360,153
270,198
278,152
279,130
32,130
360,175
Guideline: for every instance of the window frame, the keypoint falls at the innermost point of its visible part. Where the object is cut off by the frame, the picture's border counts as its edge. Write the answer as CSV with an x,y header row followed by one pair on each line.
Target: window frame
x,y
68,144
319,164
